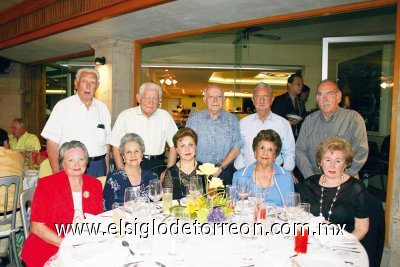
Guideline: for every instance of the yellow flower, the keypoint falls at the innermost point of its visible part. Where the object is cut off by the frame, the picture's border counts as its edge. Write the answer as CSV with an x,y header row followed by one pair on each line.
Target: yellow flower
x,y
207,169
191,208
215,183
200,202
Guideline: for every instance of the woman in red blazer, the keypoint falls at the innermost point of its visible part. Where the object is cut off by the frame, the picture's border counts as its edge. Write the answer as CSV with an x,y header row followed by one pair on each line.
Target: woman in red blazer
x,y
61,198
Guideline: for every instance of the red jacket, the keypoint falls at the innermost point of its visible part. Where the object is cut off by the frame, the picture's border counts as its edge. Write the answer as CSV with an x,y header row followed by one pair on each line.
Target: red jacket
x,y
53,204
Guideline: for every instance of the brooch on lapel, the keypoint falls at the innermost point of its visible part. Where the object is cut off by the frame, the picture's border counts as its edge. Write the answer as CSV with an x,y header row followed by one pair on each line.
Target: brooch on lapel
x,y
86,194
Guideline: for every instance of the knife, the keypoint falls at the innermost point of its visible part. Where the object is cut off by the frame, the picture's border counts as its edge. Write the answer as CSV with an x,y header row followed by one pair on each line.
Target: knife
x,y
160,264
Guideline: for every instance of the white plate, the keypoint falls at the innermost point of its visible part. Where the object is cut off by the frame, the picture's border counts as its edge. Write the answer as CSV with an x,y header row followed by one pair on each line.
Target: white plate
x,y
294,117
319,259
331,239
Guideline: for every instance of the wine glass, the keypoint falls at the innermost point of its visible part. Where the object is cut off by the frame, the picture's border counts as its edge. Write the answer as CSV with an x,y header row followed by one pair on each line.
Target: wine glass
x,y
230,193
292,201
243,189
155,191
195,187
130,196
182,216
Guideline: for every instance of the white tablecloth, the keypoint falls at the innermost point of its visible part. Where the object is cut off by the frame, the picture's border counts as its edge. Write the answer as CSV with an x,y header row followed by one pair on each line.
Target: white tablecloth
x,y
200,250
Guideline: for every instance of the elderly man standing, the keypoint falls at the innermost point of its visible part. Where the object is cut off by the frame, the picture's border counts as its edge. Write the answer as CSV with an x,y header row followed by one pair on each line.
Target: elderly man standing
x,y
154,125
83,118
331,121
218,134
20,138
290,103
264,119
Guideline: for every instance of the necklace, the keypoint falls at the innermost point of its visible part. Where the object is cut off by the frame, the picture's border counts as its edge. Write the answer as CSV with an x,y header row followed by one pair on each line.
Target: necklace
x,y
333,200
181,180
268,185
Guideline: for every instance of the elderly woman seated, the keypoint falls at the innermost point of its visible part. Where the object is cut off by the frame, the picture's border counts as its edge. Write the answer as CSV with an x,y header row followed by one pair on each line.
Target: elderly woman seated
x,y
264,176
61,198
178,176
336,195
131,175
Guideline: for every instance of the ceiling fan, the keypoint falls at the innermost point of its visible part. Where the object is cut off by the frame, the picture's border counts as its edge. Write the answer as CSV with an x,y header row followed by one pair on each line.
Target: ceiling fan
x,y
243,35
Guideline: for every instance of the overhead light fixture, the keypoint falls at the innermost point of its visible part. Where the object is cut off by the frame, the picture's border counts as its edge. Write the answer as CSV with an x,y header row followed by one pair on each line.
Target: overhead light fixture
x,y
168,80
100,60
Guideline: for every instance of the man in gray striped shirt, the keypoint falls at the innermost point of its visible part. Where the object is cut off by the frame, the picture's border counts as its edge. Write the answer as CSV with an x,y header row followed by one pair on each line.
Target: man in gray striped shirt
x,y
330,121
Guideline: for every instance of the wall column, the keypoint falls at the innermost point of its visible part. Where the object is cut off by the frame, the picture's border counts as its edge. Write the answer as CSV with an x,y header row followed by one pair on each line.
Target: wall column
x,y
116,76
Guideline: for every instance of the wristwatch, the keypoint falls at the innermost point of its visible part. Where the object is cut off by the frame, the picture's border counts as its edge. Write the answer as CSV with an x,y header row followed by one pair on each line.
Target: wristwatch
x,y
222,168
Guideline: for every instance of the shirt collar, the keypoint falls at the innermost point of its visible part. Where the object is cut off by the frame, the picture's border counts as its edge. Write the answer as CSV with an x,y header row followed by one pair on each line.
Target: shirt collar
x,y
334,115
256,117
140,112
79,102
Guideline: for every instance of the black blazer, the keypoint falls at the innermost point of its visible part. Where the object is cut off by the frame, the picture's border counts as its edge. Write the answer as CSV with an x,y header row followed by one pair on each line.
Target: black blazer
x,y
283,106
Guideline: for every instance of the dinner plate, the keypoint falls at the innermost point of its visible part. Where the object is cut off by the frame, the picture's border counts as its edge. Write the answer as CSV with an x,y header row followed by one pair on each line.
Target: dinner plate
x,y
294,117
341,238
319,259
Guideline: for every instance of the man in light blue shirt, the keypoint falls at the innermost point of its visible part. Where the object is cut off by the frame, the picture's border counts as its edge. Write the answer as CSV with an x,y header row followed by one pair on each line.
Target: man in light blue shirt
x,y
264,119
218,134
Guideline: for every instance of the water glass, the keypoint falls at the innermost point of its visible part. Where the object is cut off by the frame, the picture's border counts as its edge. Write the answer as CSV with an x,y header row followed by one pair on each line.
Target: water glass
x,y
230,193
292,201
195,186
167,199
182,216
155,191
130,196
243,189
118,216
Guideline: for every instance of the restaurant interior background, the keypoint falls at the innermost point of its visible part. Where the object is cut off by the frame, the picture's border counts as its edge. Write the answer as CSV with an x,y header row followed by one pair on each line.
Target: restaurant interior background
x,y
237,59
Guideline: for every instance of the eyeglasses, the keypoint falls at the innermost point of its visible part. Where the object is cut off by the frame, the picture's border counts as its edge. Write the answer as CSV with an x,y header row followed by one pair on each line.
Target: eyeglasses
x,y
263,97
150,99
329,94
217,97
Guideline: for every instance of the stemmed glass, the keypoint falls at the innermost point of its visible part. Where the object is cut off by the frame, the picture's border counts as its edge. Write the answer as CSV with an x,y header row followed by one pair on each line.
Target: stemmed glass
x,y
230,193
182,216
195,187
155,191
292,201
130,196
243,189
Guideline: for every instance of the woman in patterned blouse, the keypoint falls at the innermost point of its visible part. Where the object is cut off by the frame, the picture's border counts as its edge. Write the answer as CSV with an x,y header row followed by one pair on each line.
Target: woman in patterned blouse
x,y
131,175
177,177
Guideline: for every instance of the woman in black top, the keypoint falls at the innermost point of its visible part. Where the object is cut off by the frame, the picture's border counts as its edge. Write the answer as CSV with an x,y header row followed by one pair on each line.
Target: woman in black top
x,y
335,195
178,176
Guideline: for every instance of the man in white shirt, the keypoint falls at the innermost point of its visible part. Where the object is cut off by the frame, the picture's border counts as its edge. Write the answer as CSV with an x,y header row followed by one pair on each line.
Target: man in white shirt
x,y
264,119
154,125
83,118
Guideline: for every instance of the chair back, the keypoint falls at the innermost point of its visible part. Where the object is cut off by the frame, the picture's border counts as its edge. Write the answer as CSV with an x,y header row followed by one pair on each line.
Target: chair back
x,y
373,241
102,179
6,193
26,198
45,168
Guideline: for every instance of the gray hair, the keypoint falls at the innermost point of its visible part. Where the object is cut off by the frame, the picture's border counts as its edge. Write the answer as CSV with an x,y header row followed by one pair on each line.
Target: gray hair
x,y
80,71
326,81
213,85
20,121
261,84
150,85
131,137
70,145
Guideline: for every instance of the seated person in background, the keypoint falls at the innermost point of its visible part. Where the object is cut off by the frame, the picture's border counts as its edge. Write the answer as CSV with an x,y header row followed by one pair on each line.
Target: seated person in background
x,y
11,163
61,198
178,176
265,177
20,138
336,195
131,175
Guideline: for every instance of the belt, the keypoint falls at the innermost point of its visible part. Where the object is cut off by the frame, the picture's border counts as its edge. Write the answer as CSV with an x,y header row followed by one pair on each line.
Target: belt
x,y
150,157
97,158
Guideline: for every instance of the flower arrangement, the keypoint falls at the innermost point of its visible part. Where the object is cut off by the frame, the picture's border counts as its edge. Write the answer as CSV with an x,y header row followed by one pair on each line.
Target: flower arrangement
x,y
213,206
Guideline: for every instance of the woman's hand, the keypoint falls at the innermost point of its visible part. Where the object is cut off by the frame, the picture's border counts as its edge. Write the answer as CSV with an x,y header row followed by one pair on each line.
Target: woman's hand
x,y
360,228
45,233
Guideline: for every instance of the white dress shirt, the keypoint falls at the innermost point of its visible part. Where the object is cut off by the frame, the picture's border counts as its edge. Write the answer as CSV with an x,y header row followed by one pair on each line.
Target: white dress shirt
x,y
71,120
155,130
251,125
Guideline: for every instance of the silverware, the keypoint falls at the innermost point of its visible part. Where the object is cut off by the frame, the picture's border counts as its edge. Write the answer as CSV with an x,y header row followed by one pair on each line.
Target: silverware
x,y
89,242
126,244
160,264
132,264
345,249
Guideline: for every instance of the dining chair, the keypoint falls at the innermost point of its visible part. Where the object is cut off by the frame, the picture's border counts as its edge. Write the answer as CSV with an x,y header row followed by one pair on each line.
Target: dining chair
x,y
25,200
8,193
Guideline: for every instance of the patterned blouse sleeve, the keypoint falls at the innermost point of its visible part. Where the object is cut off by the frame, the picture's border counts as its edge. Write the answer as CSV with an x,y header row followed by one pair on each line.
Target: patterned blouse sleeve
x,y
108,194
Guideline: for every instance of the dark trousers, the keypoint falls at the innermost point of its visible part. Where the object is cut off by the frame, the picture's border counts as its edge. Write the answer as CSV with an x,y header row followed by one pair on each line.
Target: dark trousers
x,y
97,168
227,174
154,165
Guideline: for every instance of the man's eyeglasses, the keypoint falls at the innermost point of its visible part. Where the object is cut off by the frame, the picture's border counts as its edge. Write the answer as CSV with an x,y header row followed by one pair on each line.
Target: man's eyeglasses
x,y
263,97
150,99
217,97
329,94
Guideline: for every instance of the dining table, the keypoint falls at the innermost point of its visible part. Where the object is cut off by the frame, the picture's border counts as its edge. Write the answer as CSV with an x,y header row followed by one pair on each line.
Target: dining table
x,y
210,248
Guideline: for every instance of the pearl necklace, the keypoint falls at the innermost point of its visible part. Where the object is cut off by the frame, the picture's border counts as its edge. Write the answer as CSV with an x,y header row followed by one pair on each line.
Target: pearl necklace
x,y
268,185
334,198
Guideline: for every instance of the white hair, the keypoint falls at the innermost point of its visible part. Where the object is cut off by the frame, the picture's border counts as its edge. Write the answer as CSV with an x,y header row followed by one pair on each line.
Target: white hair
x,y
80,71
150,85
261,84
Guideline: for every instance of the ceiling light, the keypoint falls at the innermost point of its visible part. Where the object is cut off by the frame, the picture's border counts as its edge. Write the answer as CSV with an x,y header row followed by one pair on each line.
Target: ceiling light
x,y
168,79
